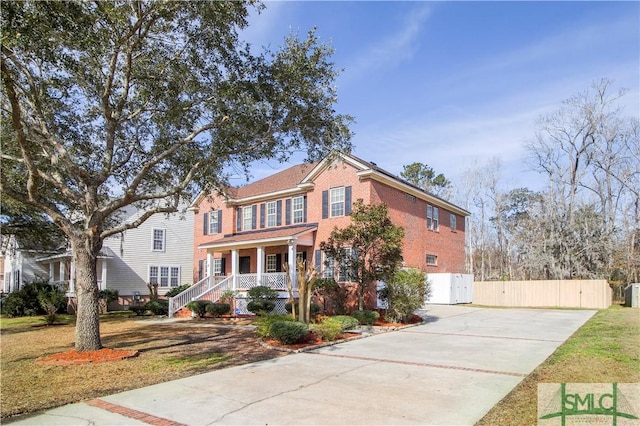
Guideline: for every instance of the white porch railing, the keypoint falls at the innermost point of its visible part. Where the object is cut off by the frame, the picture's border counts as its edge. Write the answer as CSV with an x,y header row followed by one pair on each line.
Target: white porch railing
x,y
212,289
195,292
273,280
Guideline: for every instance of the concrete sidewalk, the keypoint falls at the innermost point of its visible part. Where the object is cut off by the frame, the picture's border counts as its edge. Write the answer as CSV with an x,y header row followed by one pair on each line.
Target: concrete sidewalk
x,y
449,371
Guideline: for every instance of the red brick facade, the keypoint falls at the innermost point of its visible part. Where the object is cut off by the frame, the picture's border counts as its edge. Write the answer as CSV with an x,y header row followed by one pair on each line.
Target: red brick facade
x,y
310,186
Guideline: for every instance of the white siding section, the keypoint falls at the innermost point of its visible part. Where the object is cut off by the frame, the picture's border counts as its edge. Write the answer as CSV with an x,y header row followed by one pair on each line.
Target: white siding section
x,y
128,271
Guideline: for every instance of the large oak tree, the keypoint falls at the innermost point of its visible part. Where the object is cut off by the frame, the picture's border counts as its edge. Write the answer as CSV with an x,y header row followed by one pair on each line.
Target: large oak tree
x,y
112,104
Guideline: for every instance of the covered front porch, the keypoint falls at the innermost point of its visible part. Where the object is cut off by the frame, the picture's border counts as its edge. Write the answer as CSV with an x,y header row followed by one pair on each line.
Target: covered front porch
x,y
61,269
240,262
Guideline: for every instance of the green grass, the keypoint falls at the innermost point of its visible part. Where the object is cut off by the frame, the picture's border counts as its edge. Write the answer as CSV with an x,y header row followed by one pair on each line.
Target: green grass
x,y
200,360
9,323
605,349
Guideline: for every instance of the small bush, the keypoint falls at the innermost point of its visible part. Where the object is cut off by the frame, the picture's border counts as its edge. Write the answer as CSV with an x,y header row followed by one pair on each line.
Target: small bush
x,y
261,307
51,300
346,322
366,317
198,307
24,302
314,309
138,310
261,292
404,293
158,306
264,322
333,296
217,309
288,332
177,290
329,329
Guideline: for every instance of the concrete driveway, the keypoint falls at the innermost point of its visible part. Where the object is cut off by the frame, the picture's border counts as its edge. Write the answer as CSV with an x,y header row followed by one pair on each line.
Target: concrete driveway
x,y
450,370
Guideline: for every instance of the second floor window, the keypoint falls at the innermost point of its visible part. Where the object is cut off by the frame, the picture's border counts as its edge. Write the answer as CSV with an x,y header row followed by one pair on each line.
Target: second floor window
x,y
298,210
337,201
158,243
432,217
452,222
247,218
272,218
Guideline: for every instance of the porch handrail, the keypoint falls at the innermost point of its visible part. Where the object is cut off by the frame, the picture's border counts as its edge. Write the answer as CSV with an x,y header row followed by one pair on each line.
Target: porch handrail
x,y
194,292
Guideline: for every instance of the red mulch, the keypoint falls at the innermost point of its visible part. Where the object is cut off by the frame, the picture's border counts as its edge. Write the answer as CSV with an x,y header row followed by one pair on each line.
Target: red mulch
x,y
74,357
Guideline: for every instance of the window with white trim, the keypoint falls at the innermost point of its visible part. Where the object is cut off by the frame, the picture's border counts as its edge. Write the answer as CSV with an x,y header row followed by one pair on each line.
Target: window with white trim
x,y
432,217
272,263
329,267
217,267
213,222
452,222
298,209
164,276
337,201
272,218
247,218
343,274
158,239
432,260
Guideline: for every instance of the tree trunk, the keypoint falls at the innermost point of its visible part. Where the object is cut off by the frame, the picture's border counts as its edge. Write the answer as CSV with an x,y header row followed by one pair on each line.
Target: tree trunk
x,y
88,318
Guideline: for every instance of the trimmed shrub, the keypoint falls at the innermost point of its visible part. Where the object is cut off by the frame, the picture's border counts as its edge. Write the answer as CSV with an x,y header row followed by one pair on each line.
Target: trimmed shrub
x,y
288,332
329,329
198,307
217,309
261,307
404,292
314,309
263,323
346,322
158,306
333,297
24,302
51,300
138,310
366,317
177,290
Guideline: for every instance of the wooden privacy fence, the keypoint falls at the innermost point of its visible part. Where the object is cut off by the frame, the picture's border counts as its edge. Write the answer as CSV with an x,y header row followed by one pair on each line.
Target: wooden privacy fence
x,y
592,294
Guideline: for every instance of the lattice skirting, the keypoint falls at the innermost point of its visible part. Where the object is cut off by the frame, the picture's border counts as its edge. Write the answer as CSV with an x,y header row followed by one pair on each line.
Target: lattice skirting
x,y
241,307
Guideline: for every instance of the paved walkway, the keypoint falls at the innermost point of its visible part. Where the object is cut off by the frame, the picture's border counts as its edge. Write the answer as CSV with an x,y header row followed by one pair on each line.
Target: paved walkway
x,y
449,371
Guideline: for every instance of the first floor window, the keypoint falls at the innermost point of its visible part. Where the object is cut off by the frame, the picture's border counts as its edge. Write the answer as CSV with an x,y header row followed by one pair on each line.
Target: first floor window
x,y
432,260
164,276
343,274
329,267
272,263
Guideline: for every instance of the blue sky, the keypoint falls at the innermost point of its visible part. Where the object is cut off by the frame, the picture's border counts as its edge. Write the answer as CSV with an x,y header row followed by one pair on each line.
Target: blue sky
x,y
454,83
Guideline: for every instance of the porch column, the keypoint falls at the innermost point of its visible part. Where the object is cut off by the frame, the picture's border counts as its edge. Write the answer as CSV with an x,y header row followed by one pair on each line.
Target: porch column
x,y
293,266
104,274
63,271
260,262
235,264
52,273
72,278
210,268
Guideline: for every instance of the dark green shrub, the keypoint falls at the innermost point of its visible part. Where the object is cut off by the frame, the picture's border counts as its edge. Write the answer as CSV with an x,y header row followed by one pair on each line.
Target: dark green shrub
x,y
108,295
138,310
366,317
329,329
217,309
346,322
261,307
261,292
333,297
198,307
263,323
51,300
158,306
404,293
313,308
177,290
288,332
24,302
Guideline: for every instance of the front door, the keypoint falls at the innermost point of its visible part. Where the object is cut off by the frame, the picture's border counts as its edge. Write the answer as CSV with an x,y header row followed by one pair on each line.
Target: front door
x,y
245,264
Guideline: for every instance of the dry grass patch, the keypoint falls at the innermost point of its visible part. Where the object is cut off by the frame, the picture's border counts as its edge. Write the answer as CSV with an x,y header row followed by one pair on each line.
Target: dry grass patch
x,y
605,349
168,351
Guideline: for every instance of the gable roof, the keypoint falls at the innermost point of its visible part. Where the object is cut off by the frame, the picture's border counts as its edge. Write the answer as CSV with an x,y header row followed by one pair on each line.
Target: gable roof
x,y
299,178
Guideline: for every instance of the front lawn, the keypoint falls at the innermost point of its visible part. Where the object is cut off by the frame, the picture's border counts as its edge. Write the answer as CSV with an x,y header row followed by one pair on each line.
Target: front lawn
x,y
167,351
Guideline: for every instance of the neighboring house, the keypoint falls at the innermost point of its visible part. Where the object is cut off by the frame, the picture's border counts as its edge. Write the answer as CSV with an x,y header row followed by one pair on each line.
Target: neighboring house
x,y
20,265
158,251
243,237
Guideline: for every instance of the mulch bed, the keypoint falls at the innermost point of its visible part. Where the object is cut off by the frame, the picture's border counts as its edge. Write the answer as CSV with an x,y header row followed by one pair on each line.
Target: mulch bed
x,y
74,357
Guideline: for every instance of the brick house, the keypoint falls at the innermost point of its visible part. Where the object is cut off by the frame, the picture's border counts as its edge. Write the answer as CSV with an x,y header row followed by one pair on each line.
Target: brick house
x,y
242,238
